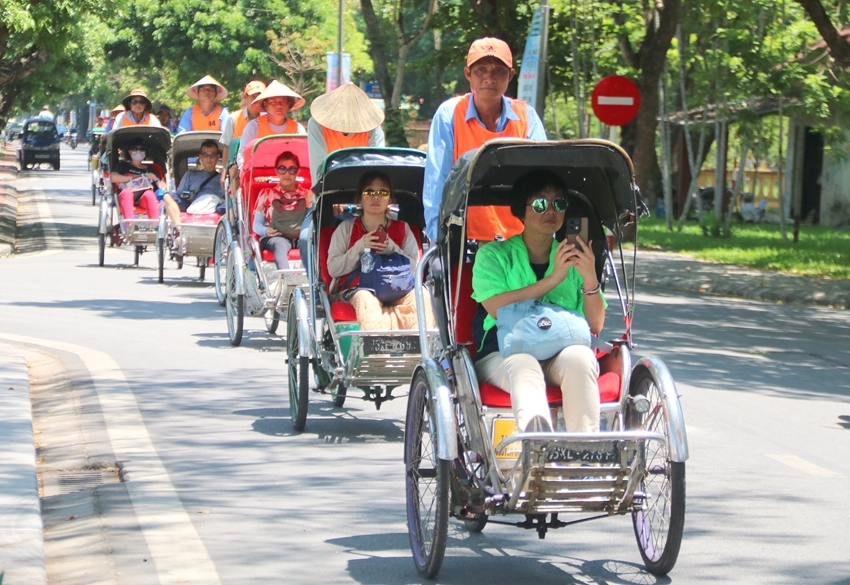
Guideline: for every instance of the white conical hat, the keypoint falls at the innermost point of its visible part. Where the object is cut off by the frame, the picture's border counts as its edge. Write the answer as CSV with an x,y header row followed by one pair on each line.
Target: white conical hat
x,y
347,109
276,89
192,92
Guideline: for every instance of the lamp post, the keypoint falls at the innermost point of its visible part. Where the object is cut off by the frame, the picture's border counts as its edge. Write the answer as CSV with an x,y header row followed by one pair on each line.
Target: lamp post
x,y
339,46
542,65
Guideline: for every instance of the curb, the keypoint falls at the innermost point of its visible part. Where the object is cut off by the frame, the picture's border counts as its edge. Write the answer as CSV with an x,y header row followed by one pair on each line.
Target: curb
x,y
21,530
8,203
677,271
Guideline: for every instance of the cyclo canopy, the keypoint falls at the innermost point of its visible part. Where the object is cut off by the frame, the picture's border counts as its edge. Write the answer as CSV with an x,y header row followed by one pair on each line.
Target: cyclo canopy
x,y
597,172
157,141
186,146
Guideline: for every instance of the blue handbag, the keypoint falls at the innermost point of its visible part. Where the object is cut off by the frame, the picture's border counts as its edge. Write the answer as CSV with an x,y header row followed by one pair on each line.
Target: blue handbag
x,y
389,279
539,329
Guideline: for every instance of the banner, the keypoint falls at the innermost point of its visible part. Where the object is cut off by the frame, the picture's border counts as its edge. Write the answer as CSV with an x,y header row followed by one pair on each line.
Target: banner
x,y
331,81
530,72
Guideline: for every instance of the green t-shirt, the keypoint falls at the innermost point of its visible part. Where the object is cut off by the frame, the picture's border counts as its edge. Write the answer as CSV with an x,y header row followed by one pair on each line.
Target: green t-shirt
x,y
504,266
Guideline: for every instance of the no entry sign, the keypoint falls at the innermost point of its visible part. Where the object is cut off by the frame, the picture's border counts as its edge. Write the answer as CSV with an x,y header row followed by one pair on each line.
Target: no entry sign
x,y
616,100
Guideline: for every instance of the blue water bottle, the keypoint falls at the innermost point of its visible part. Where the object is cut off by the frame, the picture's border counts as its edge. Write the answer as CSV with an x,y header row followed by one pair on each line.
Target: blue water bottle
x,y
367,261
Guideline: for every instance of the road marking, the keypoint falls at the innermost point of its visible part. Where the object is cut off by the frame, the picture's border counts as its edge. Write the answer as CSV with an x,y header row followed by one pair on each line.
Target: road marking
x,y
178,552
610,100
804,466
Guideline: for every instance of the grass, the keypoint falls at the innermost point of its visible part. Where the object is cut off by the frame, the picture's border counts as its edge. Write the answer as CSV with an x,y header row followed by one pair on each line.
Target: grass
x,y
821,251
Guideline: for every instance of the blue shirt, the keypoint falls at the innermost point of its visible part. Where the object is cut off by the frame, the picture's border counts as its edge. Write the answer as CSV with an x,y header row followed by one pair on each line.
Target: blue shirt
x,y
185,124
440,157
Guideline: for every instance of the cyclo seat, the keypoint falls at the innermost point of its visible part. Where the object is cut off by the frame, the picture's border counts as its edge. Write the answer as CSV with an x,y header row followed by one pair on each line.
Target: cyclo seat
x,y
493,396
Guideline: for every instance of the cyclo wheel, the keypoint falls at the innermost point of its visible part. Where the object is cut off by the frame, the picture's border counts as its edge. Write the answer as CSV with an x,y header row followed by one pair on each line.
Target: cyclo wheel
x,y
220,262
339,395
272,319
160,258
101,249
298,365
427,482
660,523
234,305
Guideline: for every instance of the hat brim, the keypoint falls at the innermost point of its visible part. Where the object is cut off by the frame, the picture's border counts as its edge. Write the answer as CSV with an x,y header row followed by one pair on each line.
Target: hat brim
x,y
348,110
220,95
257,104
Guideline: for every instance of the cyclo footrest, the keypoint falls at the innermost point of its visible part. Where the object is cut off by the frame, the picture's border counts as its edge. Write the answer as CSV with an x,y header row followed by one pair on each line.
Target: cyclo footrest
x,y
576,472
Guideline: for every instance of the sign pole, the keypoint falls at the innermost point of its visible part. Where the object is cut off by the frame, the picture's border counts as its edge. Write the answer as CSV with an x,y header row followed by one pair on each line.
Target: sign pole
x,y
339,45
542,62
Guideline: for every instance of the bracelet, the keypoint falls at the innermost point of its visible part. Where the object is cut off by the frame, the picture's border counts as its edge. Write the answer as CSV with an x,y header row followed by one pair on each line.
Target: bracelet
x,y
592,291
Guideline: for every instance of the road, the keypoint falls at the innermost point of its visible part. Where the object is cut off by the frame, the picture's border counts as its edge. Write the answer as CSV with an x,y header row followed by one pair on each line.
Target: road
x,y
138,379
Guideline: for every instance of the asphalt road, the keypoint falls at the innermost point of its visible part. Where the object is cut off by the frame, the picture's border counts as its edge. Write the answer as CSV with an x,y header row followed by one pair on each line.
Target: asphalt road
x,y
219,489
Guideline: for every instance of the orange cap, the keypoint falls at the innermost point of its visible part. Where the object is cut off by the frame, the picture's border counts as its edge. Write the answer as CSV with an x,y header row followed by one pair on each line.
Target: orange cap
x,y
254,87
489,47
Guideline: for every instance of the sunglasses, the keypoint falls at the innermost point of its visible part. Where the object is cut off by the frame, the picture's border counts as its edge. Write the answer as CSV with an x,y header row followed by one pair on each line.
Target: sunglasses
x,y
290,170
376,193
138,149
138,103
541,204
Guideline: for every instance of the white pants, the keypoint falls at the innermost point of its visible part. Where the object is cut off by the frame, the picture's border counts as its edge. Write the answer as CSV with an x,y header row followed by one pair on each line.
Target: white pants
x,y
575,370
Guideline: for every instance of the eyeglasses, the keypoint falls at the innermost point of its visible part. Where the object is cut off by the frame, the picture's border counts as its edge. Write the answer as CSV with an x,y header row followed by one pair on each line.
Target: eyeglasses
x,y
376,193
138,149
138,103
541,204
497,71
290,170
209,154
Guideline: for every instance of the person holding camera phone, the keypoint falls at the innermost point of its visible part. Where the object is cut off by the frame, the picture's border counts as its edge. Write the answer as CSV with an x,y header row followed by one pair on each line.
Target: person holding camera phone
x,y
195,183
281,210
534,266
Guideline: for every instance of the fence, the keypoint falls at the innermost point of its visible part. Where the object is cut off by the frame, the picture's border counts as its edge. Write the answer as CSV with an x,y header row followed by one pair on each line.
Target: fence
x,y
763,182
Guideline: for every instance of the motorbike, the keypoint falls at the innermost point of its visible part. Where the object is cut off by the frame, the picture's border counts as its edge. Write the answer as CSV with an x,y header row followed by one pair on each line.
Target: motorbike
x,y
73,136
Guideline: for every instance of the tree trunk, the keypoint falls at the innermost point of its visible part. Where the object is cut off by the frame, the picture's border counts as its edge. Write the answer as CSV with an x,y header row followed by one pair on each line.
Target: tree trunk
x,y
653,54
839,48
17,69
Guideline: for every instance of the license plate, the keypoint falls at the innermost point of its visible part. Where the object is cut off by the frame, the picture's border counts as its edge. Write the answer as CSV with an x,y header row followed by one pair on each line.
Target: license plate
x,y
607,454
41,156
502,429
391,345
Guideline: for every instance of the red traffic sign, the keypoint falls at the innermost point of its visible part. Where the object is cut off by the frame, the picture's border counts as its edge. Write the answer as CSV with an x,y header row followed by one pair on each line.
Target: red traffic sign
x,y
616,100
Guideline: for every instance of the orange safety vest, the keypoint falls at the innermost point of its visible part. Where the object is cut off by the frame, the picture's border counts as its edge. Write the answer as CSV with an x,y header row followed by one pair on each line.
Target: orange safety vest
x,y
264,127
209,122
127,121
337,140
484,223
239,124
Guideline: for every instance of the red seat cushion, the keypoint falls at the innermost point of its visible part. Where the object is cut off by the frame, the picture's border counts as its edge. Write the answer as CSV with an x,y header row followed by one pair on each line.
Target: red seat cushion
x,y
268,256
294,254
342,311
324,245
609,391
139,211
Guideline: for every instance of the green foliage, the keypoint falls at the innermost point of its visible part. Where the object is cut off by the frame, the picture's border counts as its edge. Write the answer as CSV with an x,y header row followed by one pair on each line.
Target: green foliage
x,y
821,251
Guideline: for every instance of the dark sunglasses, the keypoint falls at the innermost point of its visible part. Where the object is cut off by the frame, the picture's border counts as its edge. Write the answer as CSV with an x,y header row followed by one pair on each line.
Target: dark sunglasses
x,y
138,103
376,193
290,170
541,204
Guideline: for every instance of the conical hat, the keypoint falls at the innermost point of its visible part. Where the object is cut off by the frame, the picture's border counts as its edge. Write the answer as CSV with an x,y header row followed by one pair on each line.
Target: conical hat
x,y
117,110
192,92
347,109
276,89
138,92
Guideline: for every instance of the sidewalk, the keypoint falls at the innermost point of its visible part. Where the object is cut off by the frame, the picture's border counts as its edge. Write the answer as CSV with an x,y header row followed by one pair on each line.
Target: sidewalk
x,y
681,272
21,534
8,200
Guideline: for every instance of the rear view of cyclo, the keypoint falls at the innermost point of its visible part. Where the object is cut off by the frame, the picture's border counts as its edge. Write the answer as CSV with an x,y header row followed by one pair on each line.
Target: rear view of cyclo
x,y
464,453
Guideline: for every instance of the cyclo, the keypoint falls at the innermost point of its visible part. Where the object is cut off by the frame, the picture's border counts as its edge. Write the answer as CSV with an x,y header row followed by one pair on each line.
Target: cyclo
x,y
324,332
197,234
111,224
252,283
224,233
463,455
97,182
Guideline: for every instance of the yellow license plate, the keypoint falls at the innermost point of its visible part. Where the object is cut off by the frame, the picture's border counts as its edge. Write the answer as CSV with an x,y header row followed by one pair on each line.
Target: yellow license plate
x,y
503,428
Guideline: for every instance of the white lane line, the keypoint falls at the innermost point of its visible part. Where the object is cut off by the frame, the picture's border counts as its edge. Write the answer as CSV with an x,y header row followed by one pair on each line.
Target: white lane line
x,y
804,466
178,552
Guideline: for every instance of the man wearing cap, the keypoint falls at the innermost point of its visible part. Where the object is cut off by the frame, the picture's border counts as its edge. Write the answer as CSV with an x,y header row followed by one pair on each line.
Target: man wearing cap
x,y
166,118
235,124
137,111
207,114
276,101
343,118
464,123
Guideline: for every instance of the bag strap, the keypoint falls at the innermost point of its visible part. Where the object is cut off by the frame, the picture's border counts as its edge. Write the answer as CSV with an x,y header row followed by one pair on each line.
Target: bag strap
x,y
210,178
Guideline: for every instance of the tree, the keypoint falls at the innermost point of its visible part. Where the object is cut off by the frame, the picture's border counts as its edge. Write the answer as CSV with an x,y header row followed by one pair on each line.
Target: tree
x,y
839,47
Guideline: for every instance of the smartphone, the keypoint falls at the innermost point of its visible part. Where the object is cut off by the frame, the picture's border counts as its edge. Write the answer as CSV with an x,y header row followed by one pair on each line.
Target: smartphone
x,y
576,226
381,234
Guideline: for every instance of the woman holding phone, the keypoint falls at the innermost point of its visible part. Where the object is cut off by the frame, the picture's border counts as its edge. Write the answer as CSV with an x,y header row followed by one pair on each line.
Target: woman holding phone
x,y
377,233
533,265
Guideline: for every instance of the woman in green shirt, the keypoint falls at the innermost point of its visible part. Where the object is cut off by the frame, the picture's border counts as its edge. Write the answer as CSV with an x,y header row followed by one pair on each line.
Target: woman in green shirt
x,y
533,265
